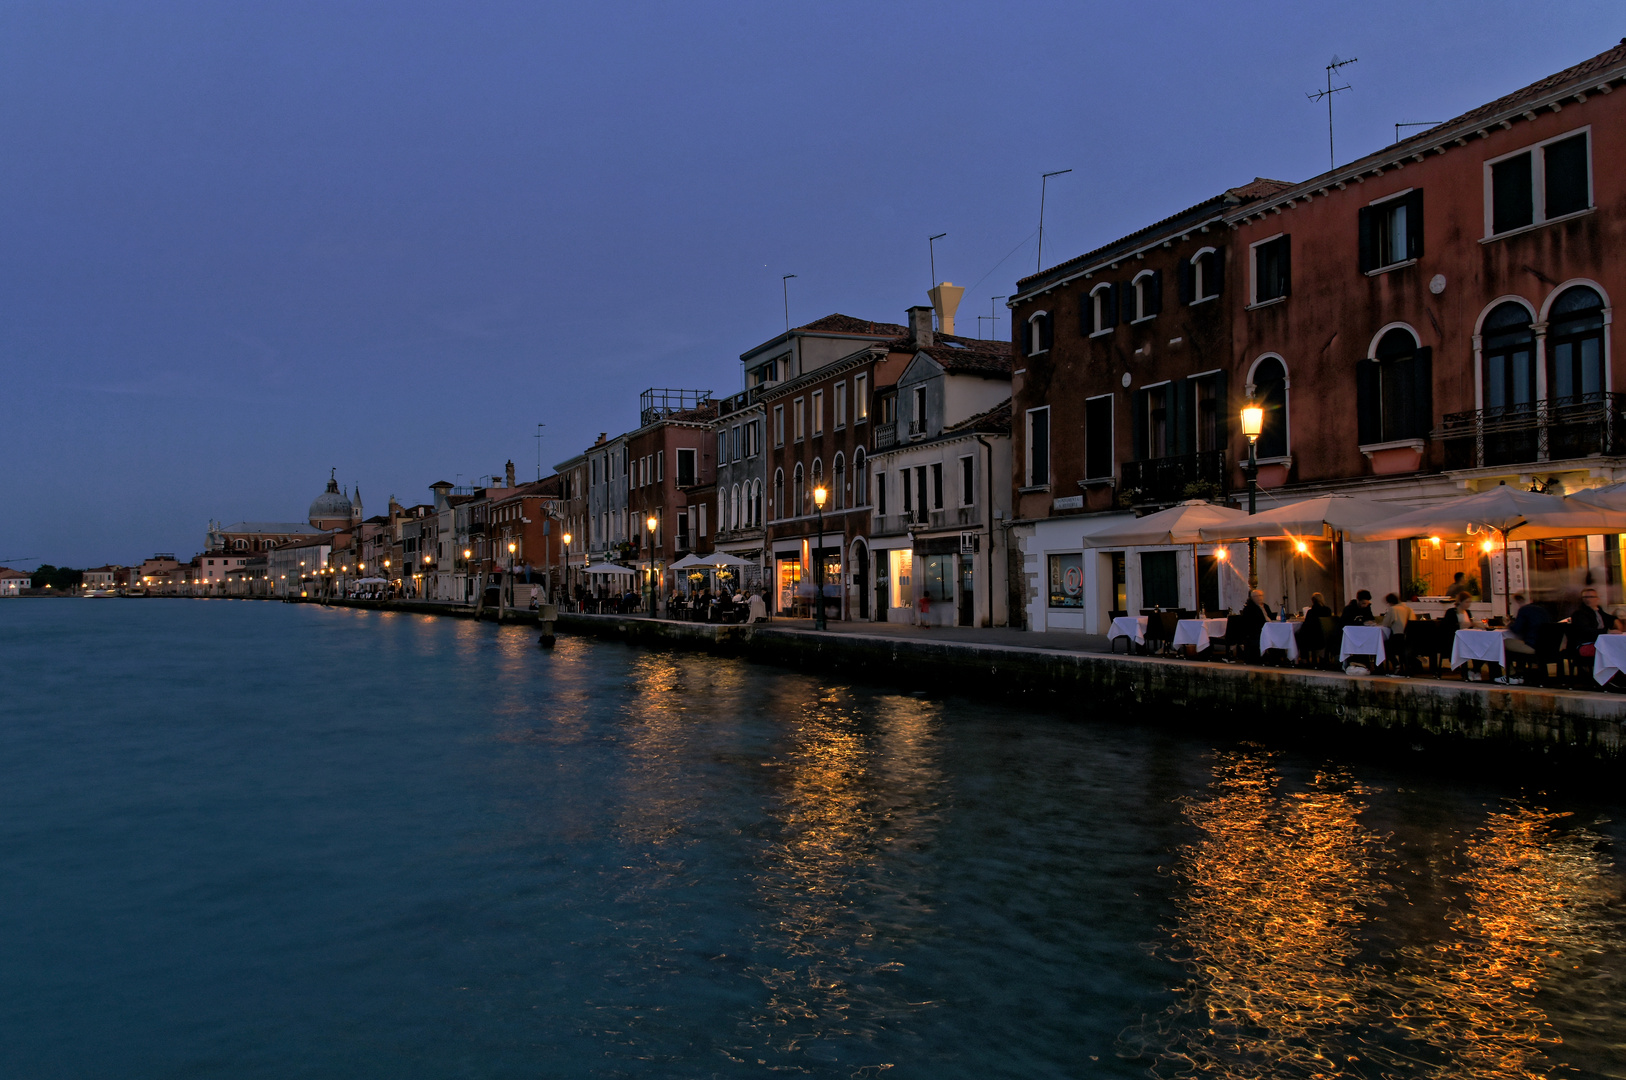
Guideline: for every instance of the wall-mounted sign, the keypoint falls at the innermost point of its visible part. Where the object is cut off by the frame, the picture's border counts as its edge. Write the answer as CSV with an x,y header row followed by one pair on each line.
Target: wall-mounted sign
x,y
1069,502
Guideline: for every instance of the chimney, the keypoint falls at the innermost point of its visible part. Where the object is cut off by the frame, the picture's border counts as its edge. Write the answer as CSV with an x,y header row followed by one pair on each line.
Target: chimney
x,y
946,299
920,326
509,474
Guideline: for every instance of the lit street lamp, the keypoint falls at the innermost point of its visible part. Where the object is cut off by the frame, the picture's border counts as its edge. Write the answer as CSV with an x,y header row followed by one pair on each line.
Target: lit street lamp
x,y
1253,422
819,495
566,575
650,525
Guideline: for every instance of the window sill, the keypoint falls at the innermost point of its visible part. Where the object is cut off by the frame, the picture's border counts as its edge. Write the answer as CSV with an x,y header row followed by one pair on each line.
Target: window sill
x,y
1102,333
1142,319
1033,489
1522,229
1266,303
1097,481
1203,300
1392,266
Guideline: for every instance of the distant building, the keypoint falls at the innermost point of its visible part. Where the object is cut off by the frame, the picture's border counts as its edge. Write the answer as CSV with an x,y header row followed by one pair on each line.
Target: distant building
x,y
13,582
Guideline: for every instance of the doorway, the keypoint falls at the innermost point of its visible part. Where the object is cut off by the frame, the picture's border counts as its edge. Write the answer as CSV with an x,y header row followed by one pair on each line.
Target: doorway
x,y
968,591
861,577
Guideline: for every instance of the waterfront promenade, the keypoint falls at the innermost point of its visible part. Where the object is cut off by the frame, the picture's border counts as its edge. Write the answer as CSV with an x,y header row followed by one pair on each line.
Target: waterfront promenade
x,y
1076,674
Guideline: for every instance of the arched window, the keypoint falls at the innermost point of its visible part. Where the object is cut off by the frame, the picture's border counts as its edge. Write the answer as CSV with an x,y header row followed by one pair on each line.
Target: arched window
x,y
1038,333
860,479
1394,390
1145,296
1575,346
1270,392
798,493
1204,275
240,545
778,493
818,482
1508,349
838,484
753,512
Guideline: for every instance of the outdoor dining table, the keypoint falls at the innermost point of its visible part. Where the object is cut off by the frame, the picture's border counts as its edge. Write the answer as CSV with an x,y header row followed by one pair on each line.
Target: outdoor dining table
x,y
1469,645
1132,627
1364,641
1197,632
1611,658
1280,635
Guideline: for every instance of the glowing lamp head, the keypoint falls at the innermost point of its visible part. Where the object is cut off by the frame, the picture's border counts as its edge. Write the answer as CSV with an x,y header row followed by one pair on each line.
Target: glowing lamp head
x,y
819,495
1253,420
1301,547
651,523
1222,554
467,554
1486,546
1435,540
566,538
510,549
386,562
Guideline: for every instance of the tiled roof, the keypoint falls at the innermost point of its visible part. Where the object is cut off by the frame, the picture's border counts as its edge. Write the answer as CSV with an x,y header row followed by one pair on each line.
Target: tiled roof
x,y
996,421
1579,73
972,361
846,324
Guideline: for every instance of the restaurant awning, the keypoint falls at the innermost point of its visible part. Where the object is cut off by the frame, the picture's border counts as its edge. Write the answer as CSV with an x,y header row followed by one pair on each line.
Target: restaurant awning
x,y
1315,519
1182,524
1504,510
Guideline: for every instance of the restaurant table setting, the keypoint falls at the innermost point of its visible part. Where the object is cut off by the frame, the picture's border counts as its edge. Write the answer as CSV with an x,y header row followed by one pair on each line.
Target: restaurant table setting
x,y
1487,645
1364,641
1198,632
1610,659
1280,635
1132,627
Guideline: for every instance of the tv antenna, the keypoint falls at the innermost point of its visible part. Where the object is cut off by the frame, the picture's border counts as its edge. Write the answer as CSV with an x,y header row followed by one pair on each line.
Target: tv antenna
x,y
982,319
1415,123
993,315
784,284
538,437
1317,95
1043,180
930,240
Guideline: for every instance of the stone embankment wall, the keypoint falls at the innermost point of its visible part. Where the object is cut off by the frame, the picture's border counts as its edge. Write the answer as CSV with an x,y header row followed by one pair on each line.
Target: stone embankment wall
x,y
1185,693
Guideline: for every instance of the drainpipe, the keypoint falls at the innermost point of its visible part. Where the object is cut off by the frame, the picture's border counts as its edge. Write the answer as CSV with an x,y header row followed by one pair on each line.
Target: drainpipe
x,y
988,512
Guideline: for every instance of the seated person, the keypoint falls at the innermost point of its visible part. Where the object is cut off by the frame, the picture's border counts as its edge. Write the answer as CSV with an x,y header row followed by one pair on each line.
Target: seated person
x,y
1527,622
1358,612
1252,618
1398,615
1460,617
1318,608
1312,637
1588,622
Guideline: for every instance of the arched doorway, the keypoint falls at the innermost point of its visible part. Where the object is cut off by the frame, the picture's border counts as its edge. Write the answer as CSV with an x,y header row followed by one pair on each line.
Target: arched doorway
x,y
860,560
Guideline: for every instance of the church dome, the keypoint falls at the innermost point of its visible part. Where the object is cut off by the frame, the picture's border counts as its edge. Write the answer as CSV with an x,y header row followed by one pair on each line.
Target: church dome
x,y
331,509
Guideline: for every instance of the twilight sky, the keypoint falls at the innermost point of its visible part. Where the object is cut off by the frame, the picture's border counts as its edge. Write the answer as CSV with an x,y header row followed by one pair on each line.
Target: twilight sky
x,y
243,243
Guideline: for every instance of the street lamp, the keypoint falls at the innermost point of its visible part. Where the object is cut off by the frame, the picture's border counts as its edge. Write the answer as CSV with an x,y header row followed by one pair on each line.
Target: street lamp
x,y
650,524
819,495
1253,422
566,575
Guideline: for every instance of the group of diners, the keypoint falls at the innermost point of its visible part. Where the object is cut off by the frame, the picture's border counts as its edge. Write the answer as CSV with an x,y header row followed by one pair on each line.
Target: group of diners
x,y
722,606
1586,646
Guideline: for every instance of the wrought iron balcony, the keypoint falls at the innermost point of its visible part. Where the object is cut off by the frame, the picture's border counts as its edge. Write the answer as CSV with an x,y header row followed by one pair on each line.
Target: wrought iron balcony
x,y
1555,430
1174,479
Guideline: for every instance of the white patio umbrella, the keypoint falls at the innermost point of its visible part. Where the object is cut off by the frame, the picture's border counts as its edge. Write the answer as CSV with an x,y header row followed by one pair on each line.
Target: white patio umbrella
x,y
1317,518
1182,524
722,560
1608,497
688,562
1501,510
609,568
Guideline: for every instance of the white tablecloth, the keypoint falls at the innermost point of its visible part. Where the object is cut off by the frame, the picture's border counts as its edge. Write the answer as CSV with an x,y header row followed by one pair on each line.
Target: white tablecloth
x,y
1132,627
1469,645
1197,632
1364,641
1280,635
1611,659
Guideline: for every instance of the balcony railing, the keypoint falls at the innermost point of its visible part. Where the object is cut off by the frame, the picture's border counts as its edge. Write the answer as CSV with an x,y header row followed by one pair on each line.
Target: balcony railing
x,y
1174,479
1555,430
886,435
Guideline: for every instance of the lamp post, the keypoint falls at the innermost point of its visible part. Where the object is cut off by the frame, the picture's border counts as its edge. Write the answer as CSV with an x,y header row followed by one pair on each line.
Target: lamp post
x,y
1253,422
819,495
566,575
650,524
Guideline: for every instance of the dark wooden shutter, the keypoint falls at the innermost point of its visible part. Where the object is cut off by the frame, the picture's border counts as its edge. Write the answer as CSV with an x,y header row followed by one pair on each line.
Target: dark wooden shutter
x,y
1137,423
1287,265
1180,418
1414,224
1046,322
1421,398
1222,420
1363,220
1086,314
1023,336
1368,404
1217,261
1186,292
1112,308
1154,293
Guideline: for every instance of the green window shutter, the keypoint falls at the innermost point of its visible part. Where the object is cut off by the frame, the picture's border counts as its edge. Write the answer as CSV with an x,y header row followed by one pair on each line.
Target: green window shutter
x,y
1422,393
1368,405
1363,222
1414,224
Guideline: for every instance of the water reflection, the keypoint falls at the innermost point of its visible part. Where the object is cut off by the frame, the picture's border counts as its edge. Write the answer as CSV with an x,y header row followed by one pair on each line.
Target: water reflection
x,y
1305,959
1271,898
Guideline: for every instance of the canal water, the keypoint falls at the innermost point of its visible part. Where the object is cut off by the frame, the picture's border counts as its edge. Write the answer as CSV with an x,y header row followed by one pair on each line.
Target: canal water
x,y
262,840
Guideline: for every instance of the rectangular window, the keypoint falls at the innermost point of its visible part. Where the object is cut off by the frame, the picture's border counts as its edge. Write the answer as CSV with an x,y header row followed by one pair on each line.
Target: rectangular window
x,y
686,471
660,466
917,422
1067,580
1271,271
908,495
1039,447
799,421
889,409
937,485
818,412
722,447
1205,408
779,425
920,493
1391,231
901,563
702,530
968,492
880,493
840,405
1098,438
860,398
734,441
1157,421
1546,181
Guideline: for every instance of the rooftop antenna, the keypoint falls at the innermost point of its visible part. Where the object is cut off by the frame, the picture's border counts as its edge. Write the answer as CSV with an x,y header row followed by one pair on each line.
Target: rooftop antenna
x,y
993,315
1043,180
1415,123
1317,95
784,283
539,428
980,320
931,240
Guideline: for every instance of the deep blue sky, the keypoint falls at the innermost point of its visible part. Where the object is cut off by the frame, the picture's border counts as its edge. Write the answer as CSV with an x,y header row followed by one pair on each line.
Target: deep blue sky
x,y
242,243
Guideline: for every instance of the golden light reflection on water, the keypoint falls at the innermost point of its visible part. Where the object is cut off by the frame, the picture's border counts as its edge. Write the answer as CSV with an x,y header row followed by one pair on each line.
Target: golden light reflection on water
x,y
1296,970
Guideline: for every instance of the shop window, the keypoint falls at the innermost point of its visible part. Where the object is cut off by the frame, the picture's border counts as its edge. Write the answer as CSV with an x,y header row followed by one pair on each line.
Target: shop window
x,y
1067,580
901,563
